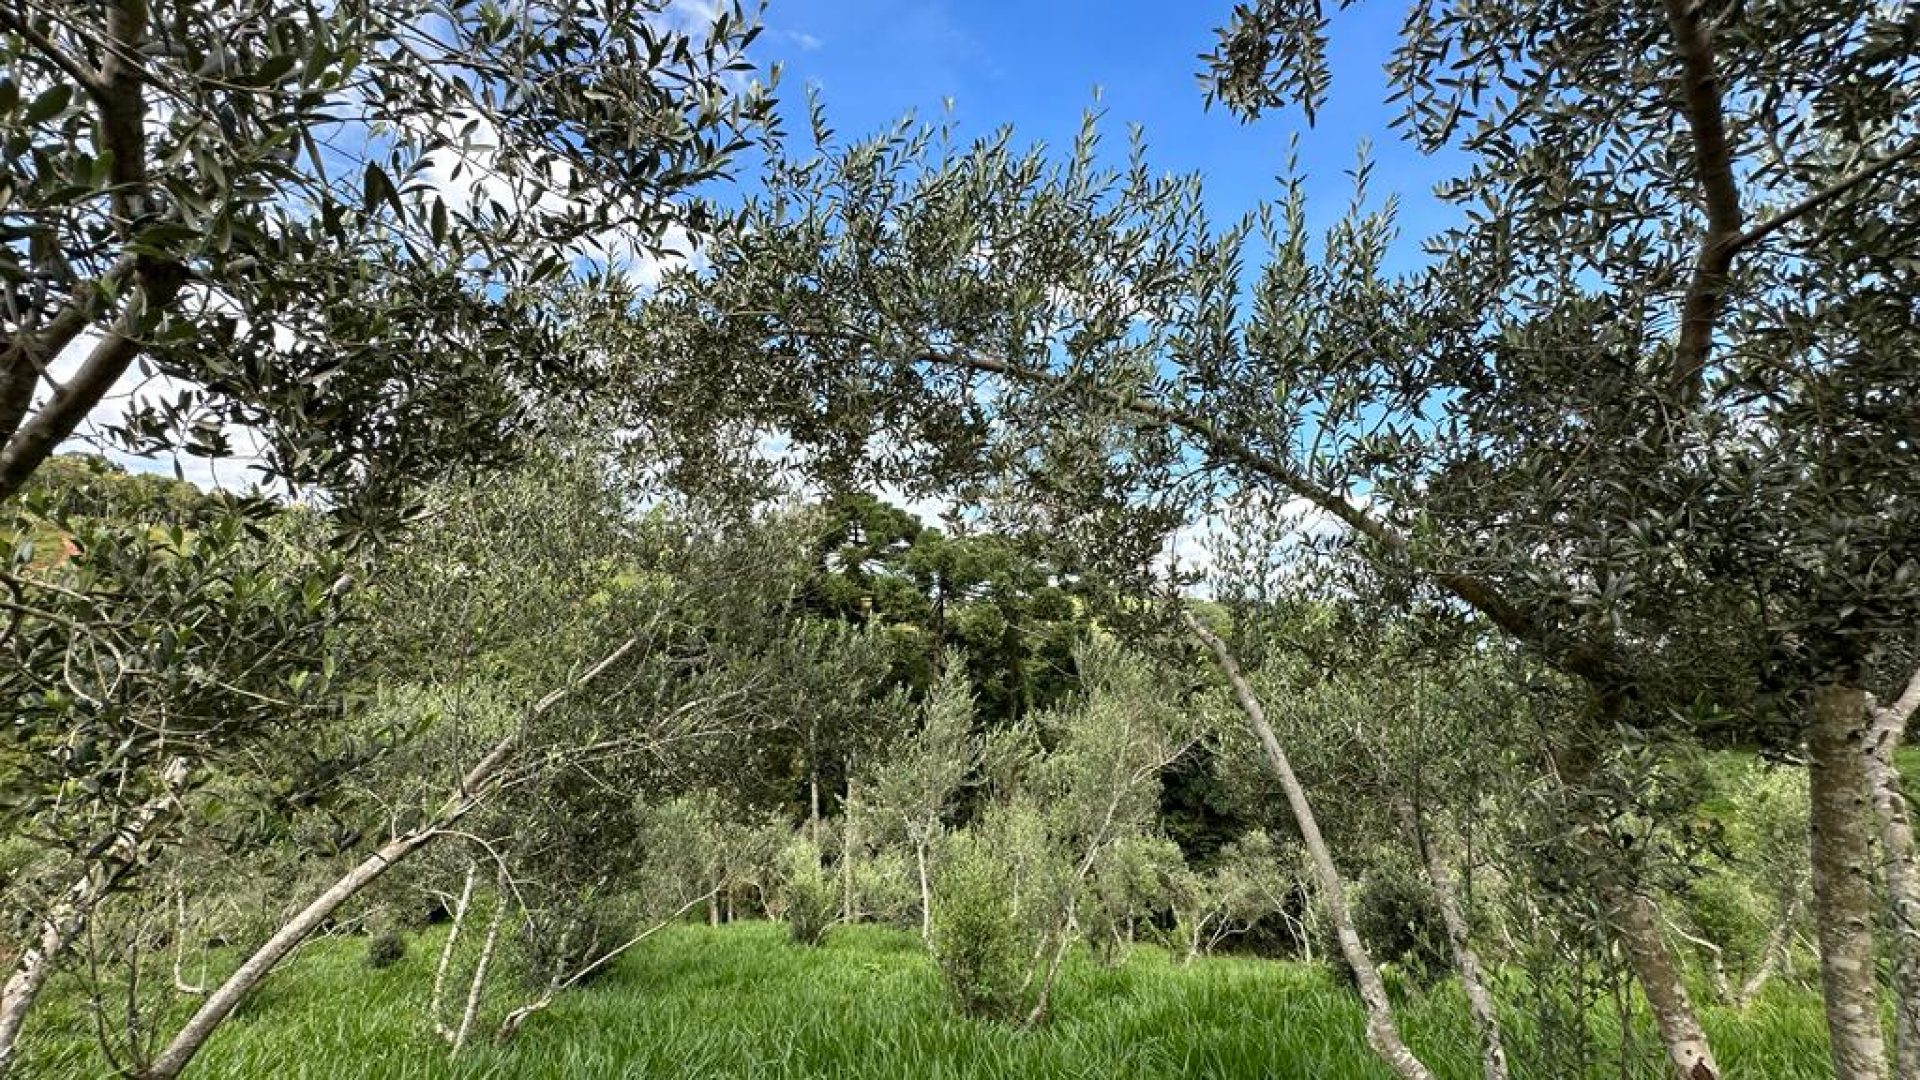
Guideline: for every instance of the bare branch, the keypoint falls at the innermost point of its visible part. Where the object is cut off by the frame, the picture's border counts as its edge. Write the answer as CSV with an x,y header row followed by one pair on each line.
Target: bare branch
x,y
1713,157
88,80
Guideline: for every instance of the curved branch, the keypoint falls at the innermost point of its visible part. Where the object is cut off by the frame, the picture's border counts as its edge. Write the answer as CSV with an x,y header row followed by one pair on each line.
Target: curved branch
x,y
1577,659
1713,156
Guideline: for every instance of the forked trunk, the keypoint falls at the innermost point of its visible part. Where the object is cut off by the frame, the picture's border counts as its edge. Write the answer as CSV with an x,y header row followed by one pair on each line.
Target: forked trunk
x,y
480,969
1383,1034
1840,787
436,999
1486,1016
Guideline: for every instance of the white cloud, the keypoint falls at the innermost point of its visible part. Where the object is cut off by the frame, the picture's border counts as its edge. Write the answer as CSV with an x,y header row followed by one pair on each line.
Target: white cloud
x,y
468,176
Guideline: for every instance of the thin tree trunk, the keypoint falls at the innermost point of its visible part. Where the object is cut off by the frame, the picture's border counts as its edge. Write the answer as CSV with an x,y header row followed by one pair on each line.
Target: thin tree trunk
x,y
480,969
1383,1034
813,786
67,918
473,789
1660,980
926,890
435,1000
1839,780
1901,873
180,983
1486,1016
1774,951
1044,999
847,841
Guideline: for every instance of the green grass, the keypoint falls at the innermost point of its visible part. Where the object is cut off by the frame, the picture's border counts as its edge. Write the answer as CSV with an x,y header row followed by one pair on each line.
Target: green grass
x,y
742,1002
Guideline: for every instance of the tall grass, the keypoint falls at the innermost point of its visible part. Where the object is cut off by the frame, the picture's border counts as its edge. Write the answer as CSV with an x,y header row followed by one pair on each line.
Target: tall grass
x,y
743,1002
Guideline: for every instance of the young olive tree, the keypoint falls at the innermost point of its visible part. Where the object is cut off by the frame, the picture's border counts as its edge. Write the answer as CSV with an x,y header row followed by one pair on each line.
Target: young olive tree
x,y
672,652
915,784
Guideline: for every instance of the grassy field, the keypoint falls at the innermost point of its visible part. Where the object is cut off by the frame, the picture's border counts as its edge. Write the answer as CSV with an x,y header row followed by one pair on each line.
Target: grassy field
x,y
741,1002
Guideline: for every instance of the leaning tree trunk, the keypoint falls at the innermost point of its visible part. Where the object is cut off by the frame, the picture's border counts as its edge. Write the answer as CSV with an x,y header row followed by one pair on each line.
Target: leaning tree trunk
x,y
474,788
1839,782
1383,1034
1902,874
436,998
68,916
1774,951
1636,925
1660,980
1486,1016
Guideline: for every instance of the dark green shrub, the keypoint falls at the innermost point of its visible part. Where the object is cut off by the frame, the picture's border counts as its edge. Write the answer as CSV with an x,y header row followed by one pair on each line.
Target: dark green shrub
x,y
1396,917
385,950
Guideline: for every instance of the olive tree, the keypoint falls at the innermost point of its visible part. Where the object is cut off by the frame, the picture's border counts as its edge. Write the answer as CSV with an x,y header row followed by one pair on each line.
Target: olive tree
x,y
340,226
140,658
913,786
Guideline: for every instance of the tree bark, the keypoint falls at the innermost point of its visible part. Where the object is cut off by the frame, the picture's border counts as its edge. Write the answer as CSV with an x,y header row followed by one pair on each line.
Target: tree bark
x,y
1383,1034
1660,980
68,916
1486,1016
437,997
480,969
474,788
1901,873
926,890
1773,952
847,841
1839,780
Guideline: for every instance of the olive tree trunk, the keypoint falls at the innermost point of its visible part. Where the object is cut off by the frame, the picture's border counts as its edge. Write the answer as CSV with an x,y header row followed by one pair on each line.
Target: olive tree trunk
x,y
67,918
474,788
1653,966
481,967
1383,1034
1486,1016
1839,782
926,889
1901,872
436,1007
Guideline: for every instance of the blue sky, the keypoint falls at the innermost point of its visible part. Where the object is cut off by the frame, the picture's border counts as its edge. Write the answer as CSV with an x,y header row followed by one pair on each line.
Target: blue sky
x,y
1036,65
